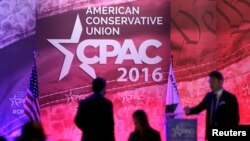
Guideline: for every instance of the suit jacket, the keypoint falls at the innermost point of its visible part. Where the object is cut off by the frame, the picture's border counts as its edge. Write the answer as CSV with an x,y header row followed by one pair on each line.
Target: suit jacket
x,y
226,113
95,119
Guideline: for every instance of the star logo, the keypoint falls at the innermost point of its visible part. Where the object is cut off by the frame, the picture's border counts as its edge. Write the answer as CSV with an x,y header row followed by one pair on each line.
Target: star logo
x,y
16,101
71,97
176,131
69,56
246,90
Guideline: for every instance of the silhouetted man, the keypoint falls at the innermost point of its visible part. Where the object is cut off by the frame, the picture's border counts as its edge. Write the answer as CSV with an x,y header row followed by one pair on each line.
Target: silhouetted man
x,y
95,115
221,106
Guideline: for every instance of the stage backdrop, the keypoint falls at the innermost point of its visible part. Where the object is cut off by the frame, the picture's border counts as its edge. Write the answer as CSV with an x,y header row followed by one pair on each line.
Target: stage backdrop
x,y
127,43
205,35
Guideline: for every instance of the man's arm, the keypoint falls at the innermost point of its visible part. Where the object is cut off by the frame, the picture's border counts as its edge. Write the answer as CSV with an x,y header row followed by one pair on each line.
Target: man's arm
x,y
79,119
158,137
111,114
234,114
200,107
130,137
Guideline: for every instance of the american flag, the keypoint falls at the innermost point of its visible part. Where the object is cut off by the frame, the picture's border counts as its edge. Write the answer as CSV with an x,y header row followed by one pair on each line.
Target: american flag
x,y
173,105
31,104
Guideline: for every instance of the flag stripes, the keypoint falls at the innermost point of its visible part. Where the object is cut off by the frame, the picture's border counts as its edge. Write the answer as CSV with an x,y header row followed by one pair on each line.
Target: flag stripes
x,y
31,104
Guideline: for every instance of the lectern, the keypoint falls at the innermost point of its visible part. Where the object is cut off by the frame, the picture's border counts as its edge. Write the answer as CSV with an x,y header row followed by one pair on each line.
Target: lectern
x,y
178,128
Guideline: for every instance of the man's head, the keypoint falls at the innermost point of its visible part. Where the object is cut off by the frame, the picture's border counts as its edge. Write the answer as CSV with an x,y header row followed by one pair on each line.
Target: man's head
x,y
33,131
99,85
215,80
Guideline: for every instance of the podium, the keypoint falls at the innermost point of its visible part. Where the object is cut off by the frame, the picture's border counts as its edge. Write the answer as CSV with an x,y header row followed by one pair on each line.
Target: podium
x,y
179,129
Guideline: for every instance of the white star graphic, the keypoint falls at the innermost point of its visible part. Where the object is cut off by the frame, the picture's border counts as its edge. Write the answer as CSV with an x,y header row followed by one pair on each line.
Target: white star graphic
x,y
246,90
13,100
75,38
16,101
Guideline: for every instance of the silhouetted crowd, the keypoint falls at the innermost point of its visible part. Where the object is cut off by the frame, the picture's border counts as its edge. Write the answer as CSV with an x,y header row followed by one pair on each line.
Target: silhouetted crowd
x,y
31,131
95,119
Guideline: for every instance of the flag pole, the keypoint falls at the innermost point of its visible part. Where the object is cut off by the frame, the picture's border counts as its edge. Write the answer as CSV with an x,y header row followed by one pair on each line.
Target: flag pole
x,y
34,54
172,59
172,62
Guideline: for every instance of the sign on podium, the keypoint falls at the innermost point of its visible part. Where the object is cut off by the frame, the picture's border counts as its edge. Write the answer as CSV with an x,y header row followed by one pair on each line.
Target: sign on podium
x,y
180,129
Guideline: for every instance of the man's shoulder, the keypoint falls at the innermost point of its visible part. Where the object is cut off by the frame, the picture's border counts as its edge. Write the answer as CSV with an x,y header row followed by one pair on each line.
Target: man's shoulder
x,y
95,98
154,134
107,101
209,94
229,95
86,100
155,131
134,133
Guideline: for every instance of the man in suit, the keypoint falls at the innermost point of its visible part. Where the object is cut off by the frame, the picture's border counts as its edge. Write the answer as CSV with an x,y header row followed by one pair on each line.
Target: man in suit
x,y
95,115
221,106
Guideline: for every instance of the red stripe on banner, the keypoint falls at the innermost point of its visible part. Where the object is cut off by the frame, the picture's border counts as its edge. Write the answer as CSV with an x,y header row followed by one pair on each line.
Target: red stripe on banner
x,y
37,107
29,111
32,115
30,96
31,108
28,114
37,110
